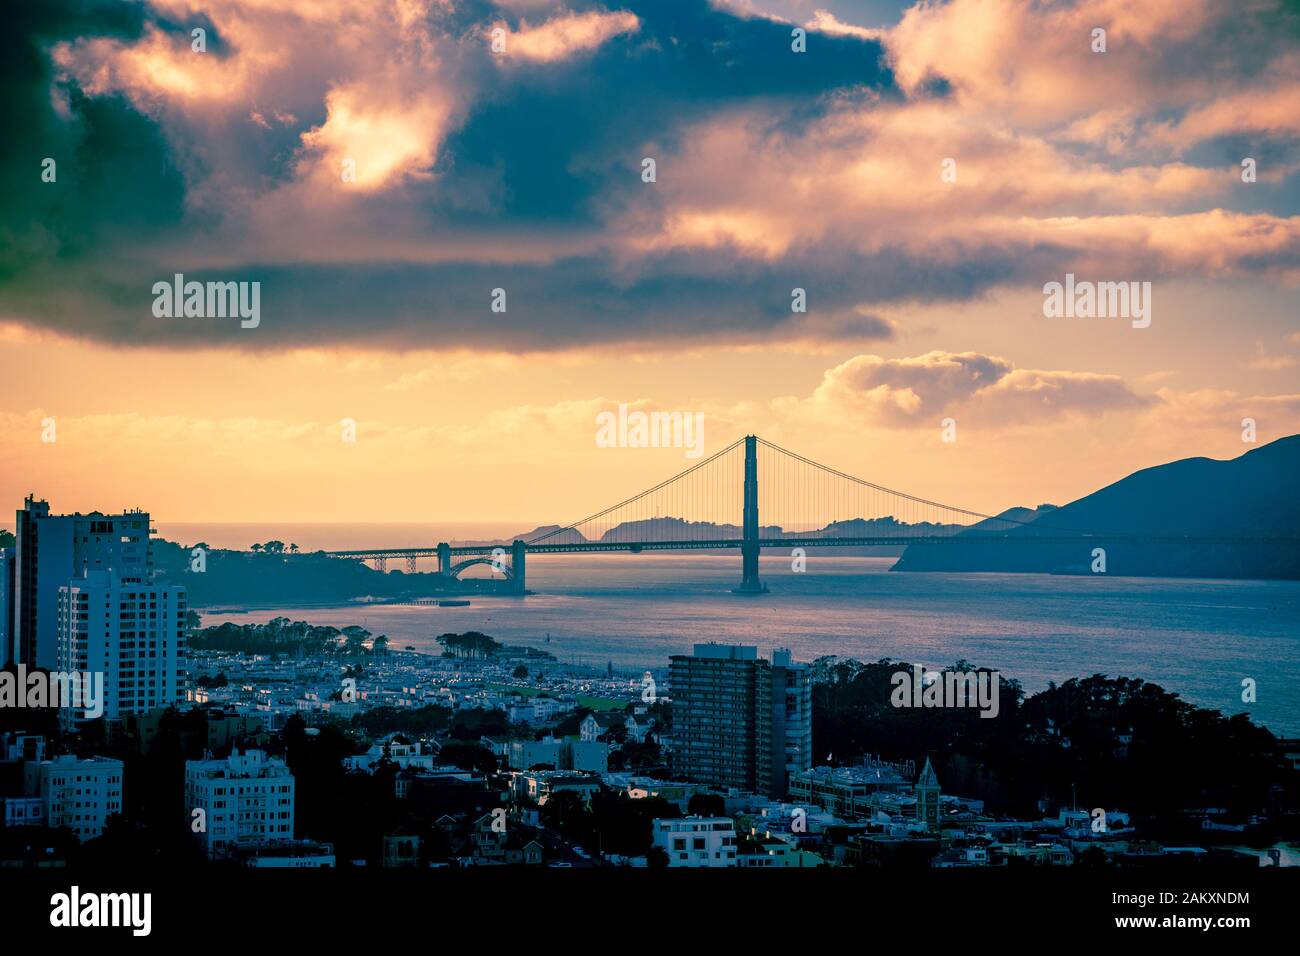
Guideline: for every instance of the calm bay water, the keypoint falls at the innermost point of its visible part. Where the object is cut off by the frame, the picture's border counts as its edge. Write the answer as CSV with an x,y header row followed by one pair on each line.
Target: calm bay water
x,y
1197,638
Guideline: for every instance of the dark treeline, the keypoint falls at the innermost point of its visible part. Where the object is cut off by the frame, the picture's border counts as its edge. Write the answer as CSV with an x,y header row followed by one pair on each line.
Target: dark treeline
x,y
471,645
432,720
280,636
1120,743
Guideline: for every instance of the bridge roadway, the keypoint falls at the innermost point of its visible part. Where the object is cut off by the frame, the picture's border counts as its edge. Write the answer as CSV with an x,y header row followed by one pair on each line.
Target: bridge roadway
x,y
485,550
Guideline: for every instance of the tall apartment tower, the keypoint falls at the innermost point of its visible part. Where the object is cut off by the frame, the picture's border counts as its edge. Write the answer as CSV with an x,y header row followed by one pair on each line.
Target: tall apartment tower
x,y
132,633
8,566
246,799
739,720
791,718
50,550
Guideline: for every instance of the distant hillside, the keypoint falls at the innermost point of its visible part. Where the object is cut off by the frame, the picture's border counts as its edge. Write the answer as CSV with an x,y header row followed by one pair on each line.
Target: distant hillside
x,y
676,529
885,527
1253,495
564,536
1022,515
679,529
553,533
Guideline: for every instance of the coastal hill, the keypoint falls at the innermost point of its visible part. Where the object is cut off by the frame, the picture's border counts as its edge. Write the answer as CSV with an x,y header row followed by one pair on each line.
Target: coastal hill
x,y
1251,496
553,533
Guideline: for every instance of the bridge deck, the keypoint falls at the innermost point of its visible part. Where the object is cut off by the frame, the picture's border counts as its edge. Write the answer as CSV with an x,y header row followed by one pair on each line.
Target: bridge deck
x,y
722,544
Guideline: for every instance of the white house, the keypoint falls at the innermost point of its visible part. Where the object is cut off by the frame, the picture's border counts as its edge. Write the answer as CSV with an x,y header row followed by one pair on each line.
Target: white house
x,y
404,753
697,841
594,726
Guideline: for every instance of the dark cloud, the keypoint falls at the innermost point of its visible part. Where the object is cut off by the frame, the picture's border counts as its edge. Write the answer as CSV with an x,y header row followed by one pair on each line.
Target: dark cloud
x,y
572,303
114,177
547,151
544,146
557,137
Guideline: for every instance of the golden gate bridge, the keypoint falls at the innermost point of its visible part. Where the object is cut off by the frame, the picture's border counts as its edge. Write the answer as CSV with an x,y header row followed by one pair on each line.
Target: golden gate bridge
x,y
802,504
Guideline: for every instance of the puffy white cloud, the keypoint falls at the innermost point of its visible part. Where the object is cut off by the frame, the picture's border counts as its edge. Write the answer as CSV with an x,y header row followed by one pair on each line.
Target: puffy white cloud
x,y
900,392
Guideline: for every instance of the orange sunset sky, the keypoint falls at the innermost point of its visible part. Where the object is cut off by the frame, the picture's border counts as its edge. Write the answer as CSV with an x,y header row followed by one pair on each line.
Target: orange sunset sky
x,y
522,170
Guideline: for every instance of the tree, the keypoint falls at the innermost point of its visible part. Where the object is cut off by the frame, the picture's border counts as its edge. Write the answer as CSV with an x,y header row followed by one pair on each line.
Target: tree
x,y
255,547
468,756
420,721
474,724
616,734
471,644
293,549
520,673
356,638
566,811
632,756
706,805
626,826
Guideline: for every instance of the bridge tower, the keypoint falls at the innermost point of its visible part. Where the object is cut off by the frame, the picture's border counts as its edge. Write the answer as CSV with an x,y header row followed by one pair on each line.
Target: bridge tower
x,y
518,551
444,558
749,549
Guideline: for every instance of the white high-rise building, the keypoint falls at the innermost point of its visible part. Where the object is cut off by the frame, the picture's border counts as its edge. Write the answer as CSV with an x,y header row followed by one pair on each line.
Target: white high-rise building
x,y
80,794
246,799
49,549
132,633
